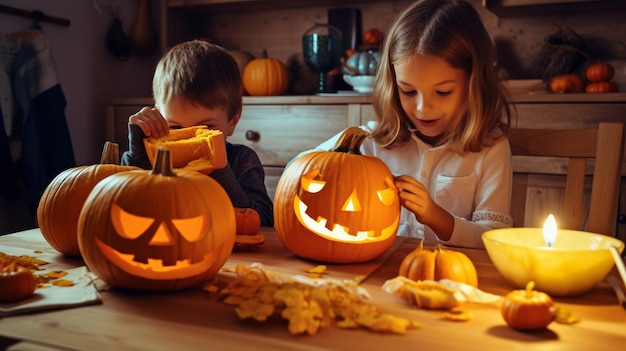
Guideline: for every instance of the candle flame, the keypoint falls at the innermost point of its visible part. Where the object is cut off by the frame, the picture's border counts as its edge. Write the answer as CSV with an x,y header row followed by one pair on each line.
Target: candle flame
x,y
549,230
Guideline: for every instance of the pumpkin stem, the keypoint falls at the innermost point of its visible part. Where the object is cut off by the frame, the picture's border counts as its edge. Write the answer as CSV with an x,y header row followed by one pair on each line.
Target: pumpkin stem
x,y
163,163
264,54
110,154
350,141
529,289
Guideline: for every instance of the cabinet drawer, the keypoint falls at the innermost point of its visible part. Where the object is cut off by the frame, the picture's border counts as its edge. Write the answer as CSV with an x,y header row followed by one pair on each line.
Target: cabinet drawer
x,y
285,130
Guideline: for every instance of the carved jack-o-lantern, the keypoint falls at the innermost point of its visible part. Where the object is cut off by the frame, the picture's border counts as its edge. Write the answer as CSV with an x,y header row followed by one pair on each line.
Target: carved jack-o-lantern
x,y
157,230
338,206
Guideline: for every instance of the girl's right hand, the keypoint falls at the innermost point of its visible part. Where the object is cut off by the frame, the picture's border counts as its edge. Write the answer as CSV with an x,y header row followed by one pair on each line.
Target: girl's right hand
x,y
151,122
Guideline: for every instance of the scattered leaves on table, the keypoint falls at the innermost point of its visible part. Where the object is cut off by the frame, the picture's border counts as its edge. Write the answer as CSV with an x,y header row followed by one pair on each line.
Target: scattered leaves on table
x,y
308,304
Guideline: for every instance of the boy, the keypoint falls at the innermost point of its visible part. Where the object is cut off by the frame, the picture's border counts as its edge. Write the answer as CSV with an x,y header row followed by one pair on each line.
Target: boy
x,y
198,83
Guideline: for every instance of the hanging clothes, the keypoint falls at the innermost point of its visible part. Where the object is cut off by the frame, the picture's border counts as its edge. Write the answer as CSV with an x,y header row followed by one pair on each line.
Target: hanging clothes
x,y
33,116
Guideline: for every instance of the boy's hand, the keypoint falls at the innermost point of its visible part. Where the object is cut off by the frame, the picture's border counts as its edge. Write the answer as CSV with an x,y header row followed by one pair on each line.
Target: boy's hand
x,y
151,122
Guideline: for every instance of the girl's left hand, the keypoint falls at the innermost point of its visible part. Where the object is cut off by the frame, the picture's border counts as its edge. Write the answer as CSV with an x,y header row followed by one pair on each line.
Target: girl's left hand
x,y
414,196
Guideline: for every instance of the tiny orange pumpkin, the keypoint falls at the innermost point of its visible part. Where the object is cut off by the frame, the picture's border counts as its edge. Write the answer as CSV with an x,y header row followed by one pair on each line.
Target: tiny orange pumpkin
x,y
265,76
599,72
17,283
527,309
440,263
248,221
566,83
601,87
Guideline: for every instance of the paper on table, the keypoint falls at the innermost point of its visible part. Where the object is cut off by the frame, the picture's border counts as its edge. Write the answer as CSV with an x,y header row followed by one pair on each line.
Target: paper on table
x,y
462,292
83,292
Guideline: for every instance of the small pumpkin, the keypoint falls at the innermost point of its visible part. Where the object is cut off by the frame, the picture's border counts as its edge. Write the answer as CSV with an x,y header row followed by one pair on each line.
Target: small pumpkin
x,y
63,199
337,206
566,83
17,283
601,87
437,264
248,221
265,76
156,230
599,72
372,36
527,309
361,64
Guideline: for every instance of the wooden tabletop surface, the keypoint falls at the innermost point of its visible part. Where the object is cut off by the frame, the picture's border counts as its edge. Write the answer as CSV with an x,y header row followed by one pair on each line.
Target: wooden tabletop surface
x,y
192,320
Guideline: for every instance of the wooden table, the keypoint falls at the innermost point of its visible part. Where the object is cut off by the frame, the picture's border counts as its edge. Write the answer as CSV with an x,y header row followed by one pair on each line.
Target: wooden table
x,y
192,320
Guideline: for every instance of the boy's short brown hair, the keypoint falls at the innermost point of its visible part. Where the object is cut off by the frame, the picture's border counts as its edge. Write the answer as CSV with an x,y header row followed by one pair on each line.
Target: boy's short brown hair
x,y
201,73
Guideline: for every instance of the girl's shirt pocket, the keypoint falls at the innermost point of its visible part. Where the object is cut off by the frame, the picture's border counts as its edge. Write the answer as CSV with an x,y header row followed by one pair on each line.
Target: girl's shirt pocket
x,y
456,194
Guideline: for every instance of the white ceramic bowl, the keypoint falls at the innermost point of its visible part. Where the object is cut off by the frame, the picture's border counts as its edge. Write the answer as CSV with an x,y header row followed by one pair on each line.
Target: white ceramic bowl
x,y
575,263
362,84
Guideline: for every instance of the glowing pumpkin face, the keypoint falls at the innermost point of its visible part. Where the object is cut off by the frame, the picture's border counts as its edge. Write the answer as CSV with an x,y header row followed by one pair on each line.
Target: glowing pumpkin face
x,y
156,230
337,206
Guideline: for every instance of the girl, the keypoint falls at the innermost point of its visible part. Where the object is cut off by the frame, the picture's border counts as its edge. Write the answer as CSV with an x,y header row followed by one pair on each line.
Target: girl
x,y
442,120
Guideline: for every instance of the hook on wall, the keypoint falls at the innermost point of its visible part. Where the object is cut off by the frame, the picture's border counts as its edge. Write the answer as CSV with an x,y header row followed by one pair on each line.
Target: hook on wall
x,y
37,17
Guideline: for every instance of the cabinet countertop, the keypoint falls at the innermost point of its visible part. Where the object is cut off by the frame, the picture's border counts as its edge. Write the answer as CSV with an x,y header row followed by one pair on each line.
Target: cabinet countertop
x,y
367,99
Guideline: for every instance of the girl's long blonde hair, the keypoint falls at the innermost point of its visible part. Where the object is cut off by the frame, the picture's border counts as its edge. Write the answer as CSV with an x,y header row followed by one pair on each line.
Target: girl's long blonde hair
x,y
453,31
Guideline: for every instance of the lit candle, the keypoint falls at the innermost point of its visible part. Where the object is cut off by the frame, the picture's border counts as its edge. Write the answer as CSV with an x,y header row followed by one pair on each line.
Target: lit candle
x,y
549,230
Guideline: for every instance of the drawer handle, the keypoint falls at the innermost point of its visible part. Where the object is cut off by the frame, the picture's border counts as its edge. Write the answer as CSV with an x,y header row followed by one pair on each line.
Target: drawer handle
x,y
252,135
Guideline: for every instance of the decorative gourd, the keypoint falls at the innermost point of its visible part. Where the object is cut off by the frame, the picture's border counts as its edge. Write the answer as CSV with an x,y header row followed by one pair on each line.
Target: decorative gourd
x,y
437,264
601,87
248,221
599,72
265,77
156,230
17,283
337,206
61,202
361,64
527,309
566,83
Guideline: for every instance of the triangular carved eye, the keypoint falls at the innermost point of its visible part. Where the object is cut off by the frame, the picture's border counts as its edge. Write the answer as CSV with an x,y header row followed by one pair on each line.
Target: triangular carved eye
x,y
192,229
352,204
128,225
387,196
310,182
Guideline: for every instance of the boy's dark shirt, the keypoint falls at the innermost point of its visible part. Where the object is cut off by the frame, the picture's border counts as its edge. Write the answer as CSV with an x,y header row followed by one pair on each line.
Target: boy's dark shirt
x,y
243,177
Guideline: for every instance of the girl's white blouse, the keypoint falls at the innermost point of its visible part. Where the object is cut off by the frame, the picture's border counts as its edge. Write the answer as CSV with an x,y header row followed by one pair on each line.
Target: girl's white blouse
x,y
475,188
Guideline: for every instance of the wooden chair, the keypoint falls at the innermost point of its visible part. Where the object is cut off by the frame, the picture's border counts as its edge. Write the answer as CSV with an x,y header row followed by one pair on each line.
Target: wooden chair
x,y
604,145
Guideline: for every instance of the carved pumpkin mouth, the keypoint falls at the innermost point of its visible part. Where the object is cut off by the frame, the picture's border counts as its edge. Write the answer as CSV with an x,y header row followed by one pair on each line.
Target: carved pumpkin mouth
x,y
340,232
155,269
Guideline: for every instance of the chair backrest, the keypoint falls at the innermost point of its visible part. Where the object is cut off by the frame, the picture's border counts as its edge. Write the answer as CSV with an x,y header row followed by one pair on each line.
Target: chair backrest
x,y
604,145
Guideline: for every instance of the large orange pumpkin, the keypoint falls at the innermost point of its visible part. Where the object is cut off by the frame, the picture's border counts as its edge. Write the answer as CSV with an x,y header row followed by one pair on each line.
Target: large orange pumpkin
x,y
61,202
337,206
423,264
156,230
265,77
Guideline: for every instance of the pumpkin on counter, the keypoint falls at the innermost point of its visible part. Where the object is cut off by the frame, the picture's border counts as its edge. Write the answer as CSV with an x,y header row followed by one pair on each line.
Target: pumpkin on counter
x,y
437,264
527,309
361,64
566,83
599,72
157,230
337,206
63,199
248,221
265,76
601,87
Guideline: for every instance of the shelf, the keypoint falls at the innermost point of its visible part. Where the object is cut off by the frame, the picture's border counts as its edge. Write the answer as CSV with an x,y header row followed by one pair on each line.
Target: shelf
x,y
532,7
252,5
